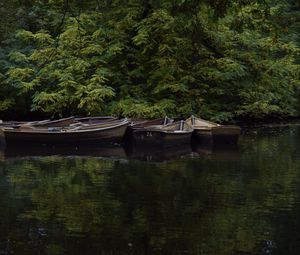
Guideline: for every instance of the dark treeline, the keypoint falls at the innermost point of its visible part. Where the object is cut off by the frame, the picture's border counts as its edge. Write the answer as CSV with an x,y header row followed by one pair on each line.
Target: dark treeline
x,y
218,59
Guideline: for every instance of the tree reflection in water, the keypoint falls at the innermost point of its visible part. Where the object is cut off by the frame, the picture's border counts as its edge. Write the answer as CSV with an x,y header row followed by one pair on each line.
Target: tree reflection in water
x,y
192,205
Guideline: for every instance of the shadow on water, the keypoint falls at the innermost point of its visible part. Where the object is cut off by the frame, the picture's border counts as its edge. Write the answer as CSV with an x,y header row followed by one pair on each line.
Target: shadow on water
x,y
2,149
142,153
154,154
157,153
108,151
217,153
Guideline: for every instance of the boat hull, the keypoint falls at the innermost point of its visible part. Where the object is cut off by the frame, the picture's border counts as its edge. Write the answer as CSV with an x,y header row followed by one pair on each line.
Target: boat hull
x,y
2,138
221,135
160,138
112,134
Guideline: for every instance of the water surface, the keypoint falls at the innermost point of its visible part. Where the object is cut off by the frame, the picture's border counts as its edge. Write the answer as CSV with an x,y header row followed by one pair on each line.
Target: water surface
x,y
198,200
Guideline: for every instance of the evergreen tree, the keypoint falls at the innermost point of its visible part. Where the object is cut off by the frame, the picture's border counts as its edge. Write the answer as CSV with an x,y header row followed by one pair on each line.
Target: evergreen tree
x,y
217,59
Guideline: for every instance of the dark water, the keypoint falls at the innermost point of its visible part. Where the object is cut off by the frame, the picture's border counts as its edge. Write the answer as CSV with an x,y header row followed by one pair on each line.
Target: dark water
x,y
111,201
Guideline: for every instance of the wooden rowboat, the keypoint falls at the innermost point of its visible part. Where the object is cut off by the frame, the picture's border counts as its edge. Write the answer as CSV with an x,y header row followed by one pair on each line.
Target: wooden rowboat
x,y
163,135
54,123
142,123
93,120
96,122
213,133
136,124
43,123
101,134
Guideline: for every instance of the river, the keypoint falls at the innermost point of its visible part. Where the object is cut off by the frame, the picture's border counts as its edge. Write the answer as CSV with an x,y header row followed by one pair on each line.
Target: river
x,y
199,200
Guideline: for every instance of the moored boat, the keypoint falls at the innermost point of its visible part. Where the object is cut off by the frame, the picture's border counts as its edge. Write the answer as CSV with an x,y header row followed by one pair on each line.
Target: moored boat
x,y
112,133
95,120
136,124
209,132
142,123
54,123
172,134
42,123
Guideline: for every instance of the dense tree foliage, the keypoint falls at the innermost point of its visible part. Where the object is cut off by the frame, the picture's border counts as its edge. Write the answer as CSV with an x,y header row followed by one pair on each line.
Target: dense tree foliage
x,y
217,59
